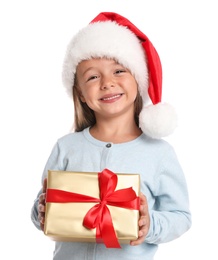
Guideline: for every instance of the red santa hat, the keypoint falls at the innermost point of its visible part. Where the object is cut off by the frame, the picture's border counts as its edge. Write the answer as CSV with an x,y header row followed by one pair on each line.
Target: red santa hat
x,y
113,36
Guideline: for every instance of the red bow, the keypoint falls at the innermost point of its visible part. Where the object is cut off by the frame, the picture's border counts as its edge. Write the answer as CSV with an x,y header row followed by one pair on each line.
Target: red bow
x,y
99,216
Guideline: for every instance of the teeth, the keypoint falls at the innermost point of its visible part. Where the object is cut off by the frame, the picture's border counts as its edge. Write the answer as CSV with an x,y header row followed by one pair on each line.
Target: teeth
x,y
109,98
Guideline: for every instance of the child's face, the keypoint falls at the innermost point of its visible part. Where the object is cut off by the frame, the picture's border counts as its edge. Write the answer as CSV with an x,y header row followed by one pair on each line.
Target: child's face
x,y
107,87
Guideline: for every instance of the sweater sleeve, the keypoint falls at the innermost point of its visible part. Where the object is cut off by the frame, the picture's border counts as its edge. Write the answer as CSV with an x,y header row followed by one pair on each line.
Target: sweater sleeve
x,y
54,162
170,217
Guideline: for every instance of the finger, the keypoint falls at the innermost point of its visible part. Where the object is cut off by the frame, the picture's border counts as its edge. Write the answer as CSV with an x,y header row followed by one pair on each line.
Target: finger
x,y
142,221
41,218
142,234
143,231
43,194
143,205
44,185
137,241
143,199
42,198
143,210
42,226
41,208
42,221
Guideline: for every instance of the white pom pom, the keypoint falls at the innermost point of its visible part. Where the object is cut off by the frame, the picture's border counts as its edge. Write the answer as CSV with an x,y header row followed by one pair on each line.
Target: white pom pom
x,y
158,120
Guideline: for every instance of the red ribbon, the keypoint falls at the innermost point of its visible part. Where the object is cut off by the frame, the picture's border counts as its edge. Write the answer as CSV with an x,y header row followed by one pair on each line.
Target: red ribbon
x,y
99,216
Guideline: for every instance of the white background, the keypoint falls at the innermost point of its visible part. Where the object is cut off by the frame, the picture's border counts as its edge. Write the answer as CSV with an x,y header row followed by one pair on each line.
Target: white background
x,y
35,110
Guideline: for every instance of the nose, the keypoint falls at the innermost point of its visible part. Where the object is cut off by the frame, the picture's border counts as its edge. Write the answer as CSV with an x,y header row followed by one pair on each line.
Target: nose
x,y
107,82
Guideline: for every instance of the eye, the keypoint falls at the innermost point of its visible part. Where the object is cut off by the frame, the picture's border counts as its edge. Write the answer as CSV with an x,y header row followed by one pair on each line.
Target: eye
x,y
119,71
92,77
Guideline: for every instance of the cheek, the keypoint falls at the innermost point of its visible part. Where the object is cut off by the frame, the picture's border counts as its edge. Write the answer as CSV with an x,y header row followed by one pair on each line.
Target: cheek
x,y
87,96
133,88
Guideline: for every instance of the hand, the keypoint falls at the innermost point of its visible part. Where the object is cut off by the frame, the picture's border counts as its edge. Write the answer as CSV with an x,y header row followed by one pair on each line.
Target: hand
x,y
144,221
41,205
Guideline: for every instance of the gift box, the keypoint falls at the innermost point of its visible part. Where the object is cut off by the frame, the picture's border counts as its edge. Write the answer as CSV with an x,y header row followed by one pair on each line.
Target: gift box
x,y
92,207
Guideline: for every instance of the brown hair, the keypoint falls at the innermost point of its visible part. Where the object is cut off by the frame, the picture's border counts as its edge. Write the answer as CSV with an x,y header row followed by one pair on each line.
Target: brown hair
x,y
85,117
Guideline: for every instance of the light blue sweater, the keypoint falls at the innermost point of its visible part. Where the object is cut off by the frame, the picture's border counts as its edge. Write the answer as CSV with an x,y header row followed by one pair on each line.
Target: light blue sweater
x,y
162,182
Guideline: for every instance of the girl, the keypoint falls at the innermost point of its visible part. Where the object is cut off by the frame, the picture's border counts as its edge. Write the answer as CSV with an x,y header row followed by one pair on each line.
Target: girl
x,y
113,71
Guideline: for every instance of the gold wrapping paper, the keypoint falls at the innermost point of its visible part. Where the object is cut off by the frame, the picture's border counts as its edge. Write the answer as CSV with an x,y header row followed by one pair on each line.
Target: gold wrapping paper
x,y
63,221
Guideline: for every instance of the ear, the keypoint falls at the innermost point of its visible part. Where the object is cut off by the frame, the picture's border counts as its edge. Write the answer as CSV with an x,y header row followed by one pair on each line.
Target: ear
x,y
81,97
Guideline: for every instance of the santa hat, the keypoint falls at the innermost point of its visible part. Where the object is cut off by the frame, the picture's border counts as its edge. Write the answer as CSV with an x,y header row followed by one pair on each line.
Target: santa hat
x,y
113,36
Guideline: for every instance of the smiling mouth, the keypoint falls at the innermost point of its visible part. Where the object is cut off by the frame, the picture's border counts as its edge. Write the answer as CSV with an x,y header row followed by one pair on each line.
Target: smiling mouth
x,y
111,97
